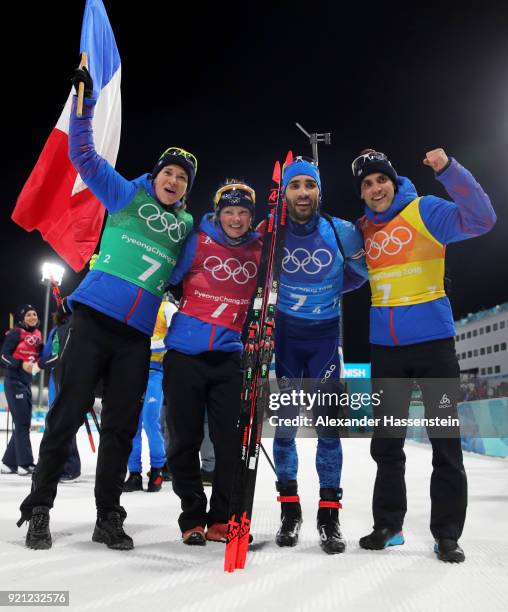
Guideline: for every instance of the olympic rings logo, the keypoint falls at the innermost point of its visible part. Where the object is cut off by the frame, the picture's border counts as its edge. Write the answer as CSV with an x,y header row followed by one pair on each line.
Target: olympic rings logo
x,y
32,340
389,244
231,268
302,259
159,222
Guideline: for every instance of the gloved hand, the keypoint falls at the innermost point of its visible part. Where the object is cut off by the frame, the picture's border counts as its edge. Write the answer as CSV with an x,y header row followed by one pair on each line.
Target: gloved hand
x,y
81,75
63,308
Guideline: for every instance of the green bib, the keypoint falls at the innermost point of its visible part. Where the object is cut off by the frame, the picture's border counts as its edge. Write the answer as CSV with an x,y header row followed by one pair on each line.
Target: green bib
x,y
141,242
55,345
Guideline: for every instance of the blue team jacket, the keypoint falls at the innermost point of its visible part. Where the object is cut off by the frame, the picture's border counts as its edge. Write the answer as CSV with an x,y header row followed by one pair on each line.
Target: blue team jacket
x,y
111,295
469,215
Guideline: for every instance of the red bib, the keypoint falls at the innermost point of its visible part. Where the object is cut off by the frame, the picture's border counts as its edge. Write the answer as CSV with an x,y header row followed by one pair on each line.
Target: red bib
x,y
29,346
221,281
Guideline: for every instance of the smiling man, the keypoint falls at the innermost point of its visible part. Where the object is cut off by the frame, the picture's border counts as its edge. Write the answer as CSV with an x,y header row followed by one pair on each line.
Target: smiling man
x,y
323,258
412,332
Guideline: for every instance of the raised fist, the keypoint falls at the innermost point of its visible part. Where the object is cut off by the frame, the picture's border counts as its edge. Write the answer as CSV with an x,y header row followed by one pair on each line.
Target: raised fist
x,y
436,159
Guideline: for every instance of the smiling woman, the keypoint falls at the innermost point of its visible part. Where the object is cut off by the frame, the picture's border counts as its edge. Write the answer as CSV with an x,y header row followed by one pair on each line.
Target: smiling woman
x,y
20,352
234,208
218,266
170,184
113,315
173,176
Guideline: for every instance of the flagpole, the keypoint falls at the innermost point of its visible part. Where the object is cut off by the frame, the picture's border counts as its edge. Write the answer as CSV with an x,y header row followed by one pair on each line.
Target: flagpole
x,y
81,89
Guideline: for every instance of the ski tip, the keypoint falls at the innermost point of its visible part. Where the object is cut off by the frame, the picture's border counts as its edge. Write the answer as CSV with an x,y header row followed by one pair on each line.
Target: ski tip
x,y
288,160
276,172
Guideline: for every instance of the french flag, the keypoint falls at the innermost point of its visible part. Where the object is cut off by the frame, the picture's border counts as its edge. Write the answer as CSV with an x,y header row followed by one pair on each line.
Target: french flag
x,y
54,200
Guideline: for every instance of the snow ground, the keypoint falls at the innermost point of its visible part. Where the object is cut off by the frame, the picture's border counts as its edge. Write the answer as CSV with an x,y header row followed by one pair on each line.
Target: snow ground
x,y
162,574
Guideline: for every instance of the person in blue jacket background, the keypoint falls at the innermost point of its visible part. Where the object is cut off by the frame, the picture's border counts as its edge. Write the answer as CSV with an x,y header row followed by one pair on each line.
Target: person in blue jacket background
x,y
323,258
114,311
412,333
150,417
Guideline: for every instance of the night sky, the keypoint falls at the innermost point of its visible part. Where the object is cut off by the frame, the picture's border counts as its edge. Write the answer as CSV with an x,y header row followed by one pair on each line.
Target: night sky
x,y
228,83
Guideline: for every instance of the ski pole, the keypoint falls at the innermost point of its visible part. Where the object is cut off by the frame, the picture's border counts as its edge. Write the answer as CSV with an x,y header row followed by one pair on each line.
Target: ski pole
x,y
89,432
268,458
11,325
95,420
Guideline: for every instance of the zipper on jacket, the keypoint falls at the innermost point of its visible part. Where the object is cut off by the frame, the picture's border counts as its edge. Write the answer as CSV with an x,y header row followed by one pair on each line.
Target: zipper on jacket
x,y
138,297
392,328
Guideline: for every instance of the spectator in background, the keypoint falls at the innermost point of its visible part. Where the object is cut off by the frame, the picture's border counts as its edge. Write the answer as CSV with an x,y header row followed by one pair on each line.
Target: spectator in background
x,y
20,352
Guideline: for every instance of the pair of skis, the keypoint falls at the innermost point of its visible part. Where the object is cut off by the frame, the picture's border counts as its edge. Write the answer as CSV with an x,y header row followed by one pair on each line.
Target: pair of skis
x,y
257,356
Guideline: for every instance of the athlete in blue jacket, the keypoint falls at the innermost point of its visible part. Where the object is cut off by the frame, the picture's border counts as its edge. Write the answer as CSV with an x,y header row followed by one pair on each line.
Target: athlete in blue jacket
x,y
202,368
114,311
323,258
412,333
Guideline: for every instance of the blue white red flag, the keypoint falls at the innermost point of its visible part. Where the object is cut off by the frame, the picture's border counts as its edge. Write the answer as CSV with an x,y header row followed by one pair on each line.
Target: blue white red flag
x,y
54,200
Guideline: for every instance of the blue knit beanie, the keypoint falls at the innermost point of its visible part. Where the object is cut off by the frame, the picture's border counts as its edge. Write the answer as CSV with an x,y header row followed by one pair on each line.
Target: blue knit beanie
x,y
300,166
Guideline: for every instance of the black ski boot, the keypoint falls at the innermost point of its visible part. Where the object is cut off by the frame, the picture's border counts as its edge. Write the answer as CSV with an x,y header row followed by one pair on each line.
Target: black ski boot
x,y
155,480
448,550
109,530
133,483
381,538
290,513
38,536
328,524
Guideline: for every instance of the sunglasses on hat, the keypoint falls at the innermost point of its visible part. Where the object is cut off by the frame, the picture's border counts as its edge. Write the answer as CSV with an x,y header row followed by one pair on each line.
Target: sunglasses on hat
x,y
361,160
223,192
181,153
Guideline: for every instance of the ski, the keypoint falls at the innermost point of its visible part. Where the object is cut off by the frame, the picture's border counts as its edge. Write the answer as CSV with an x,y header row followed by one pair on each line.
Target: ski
x,y
257,356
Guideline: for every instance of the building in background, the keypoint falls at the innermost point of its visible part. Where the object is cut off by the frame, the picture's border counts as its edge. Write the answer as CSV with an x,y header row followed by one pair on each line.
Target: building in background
x,y
481,342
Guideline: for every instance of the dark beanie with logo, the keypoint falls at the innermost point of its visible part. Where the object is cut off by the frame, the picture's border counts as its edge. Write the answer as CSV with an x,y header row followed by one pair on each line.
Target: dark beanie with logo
x,y
373,162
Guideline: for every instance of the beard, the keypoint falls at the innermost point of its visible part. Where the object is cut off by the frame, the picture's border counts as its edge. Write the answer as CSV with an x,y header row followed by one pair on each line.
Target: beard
x,y
302,216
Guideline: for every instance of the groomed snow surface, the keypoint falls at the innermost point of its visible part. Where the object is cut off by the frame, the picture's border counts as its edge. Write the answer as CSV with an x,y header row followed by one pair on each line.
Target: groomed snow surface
x,y
163,574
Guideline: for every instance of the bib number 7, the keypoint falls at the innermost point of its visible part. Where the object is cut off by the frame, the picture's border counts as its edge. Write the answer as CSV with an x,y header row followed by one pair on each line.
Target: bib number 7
x,y
154,266
386,292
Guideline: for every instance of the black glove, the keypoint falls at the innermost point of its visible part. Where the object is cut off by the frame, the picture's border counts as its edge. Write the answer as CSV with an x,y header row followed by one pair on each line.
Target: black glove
x,y
81,75
63,309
